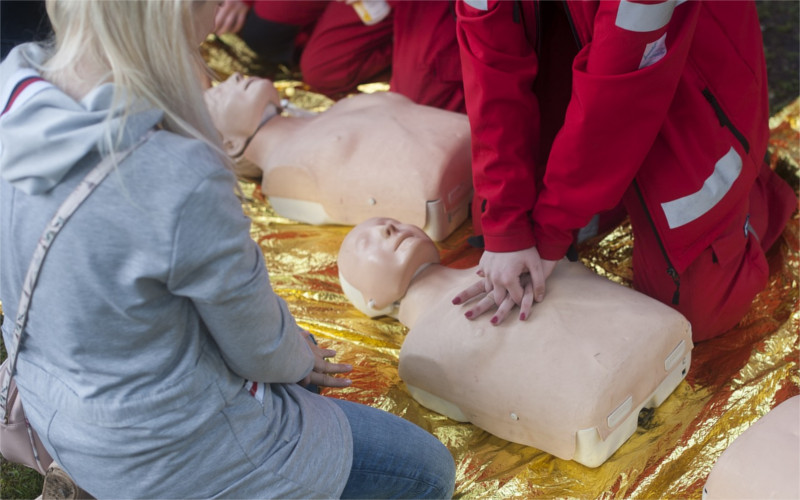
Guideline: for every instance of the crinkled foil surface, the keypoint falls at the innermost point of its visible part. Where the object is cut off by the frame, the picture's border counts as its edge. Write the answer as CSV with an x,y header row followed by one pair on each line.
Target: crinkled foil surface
x,y
734,379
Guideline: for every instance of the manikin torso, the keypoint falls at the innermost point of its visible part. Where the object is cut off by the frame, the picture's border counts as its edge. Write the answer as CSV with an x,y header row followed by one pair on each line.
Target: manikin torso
x,y
586,361
763,461
368,155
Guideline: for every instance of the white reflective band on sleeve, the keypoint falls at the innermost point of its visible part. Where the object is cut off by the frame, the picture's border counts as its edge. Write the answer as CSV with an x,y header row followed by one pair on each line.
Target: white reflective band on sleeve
x,y
644,17
478,4
686,209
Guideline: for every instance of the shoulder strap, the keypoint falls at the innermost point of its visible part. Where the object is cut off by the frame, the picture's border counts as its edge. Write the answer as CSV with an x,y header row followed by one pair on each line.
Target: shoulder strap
x,y
65,211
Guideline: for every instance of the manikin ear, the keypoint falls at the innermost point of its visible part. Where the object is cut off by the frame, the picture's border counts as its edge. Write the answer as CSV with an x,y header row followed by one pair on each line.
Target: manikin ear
x,y
233,146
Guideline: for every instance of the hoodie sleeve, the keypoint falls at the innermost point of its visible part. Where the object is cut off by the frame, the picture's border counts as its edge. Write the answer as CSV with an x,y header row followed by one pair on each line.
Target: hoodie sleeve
x,y
221,269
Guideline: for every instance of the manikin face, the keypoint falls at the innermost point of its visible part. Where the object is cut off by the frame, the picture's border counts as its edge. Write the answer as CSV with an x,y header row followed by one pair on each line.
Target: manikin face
x,y
380,256
238,104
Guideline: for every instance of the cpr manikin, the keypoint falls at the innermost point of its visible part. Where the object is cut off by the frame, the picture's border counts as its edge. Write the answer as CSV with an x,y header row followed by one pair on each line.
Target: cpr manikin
x,y
570,380
368,155
763,462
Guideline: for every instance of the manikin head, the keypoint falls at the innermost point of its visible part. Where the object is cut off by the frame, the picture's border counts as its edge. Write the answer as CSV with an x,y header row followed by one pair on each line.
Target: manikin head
x,y
238,107
377,261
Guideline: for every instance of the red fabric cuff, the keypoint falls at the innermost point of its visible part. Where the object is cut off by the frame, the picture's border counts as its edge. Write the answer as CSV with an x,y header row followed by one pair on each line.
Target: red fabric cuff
x,y
518,240
552,251
553,244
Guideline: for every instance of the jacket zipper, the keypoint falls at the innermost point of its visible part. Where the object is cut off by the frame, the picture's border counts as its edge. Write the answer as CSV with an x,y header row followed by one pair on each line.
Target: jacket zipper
x,y
538,18
572,25
724,121
676,297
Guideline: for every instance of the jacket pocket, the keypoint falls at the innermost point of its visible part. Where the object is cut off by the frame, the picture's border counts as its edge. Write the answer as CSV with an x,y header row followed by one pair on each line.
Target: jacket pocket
x,y
724,120
732,242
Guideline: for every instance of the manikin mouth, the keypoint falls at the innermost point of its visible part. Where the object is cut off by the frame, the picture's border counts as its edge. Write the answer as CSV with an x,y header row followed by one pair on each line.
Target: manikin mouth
x,y
401,238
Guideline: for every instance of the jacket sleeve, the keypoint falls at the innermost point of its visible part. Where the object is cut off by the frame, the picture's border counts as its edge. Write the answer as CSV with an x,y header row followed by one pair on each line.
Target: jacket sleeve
x,y
624,81
499,67
218,266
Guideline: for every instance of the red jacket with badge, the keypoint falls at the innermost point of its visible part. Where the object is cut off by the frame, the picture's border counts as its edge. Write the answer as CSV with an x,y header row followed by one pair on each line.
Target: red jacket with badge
x,y
663,103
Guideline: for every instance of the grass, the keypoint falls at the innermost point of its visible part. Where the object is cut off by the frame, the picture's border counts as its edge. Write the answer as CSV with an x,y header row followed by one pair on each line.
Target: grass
x,y
780,26
19,482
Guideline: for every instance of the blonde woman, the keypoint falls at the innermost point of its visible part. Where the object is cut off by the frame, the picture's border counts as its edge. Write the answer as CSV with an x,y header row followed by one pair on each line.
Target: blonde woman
x,y
154,305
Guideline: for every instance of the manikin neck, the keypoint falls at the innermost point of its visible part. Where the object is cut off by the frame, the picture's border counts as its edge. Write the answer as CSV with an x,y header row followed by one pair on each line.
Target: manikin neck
x,y
428,286
268,138
270,113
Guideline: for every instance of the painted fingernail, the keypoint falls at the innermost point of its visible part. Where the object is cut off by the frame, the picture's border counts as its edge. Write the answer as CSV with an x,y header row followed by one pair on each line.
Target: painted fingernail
x,y
456,301
494,320
522,316
468,314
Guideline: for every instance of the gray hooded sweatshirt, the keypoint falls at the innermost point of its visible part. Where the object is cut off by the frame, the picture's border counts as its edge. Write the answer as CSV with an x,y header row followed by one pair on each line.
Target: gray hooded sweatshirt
x,y
152,308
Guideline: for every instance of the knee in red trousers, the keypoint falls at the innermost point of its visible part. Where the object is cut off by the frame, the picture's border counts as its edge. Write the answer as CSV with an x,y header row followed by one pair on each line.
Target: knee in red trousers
x,y
718,288
343,52
772,203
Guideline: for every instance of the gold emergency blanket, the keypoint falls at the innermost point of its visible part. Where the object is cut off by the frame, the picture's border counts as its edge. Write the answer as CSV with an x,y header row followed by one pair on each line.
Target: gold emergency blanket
x,y
734,379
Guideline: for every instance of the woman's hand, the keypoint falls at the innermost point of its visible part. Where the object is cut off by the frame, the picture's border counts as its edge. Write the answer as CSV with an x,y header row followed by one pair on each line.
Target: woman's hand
x,y
323,371
230,16
509,279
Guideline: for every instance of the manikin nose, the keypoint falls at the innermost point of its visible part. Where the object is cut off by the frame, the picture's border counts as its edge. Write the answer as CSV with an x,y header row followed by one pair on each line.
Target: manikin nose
x,y
388,229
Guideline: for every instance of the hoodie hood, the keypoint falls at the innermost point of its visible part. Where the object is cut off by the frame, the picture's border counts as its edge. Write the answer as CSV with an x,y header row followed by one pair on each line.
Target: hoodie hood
x,y
45,132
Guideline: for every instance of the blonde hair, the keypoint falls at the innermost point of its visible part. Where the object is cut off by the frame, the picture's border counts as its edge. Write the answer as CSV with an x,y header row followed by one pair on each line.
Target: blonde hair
x,y
147,49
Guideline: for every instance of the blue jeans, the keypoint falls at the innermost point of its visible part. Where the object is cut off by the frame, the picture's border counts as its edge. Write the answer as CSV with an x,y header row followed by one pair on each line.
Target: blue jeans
x,y
393,458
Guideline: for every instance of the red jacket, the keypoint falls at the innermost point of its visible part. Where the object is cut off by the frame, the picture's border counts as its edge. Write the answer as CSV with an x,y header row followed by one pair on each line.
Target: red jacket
x,y
665,104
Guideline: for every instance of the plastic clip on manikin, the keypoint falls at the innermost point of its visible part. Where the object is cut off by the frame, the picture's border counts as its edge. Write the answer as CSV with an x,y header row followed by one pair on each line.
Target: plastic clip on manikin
x,y
371,11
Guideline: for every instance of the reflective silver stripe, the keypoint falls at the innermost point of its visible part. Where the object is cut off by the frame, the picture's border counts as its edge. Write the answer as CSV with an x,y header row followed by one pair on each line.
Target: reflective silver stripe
x,y
644,17
686,209
478,4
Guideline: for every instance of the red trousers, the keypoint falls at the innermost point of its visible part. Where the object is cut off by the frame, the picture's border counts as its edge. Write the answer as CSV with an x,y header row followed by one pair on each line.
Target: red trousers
x,y
426,64
341,51
418,41
718,288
